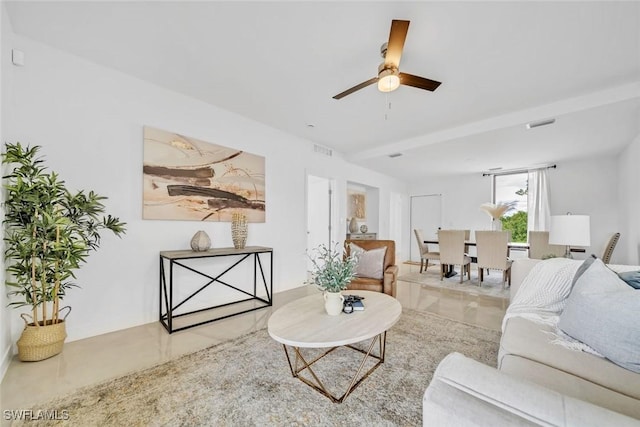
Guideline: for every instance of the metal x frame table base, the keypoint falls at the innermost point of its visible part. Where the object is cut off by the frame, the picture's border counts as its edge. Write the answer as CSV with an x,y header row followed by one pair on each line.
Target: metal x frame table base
x,y
300,364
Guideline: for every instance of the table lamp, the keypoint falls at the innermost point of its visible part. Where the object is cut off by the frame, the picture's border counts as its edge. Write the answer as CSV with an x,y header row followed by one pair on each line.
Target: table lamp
x,y
570,230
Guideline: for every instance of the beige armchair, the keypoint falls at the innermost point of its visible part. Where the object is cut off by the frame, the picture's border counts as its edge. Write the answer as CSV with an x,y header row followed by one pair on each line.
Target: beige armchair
x,y
492,249
425,253
539,246
452,252
388,283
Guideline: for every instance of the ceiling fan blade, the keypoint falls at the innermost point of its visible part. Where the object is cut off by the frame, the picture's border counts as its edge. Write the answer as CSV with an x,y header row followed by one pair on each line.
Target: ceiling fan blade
x,y
395,45
419,82
355,88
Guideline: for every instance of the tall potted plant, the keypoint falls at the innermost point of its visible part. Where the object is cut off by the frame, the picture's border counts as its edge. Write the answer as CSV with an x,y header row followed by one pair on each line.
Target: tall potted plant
x,y
49,232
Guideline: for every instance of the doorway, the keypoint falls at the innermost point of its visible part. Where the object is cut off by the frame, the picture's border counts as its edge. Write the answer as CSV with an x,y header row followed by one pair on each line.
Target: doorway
x,y
319,213
426,214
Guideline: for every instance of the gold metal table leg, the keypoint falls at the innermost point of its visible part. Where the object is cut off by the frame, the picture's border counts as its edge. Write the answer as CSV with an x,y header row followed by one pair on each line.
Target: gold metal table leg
x,y
355,381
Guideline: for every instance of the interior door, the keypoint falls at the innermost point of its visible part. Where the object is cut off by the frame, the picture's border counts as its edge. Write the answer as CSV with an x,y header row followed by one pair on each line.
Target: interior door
x,y
319,207
426,214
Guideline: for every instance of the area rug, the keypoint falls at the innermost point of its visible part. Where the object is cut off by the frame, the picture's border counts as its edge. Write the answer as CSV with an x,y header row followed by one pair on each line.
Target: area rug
x,y
492,284
247,382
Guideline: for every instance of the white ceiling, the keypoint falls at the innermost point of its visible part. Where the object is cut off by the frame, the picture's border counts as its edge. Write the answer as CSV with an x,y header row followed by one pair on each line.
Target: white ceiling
x,y
502,64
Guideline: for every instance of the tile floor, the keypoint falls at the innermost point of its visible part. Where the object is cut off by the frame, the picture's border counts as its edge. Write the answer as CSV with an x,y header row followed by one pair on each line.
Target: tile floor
x,y
107,356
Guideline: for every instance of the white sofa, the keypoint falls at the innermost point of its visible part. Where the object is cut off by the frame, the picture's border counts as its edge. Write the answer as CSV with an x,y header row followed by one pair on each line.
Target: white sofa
x,y
539,382
527,351
464,392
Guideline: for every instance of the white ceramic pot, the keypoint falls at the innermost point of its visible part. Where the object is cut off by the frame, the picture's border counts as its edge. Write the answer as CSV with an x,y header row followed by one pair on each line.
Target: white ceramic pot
x,y
200,241
353,225
333,303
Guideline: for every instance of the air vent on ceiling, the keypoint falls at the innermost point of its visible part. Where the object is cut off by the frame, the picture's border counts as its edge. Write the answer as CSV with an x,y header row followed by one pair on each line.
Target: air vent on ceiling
x,y
540,123
322,150
394,155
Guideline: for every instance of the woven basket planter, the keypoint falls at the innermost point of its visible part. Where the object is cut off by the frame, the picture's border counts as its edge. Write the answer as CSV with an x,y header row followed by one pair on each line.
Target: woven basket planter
x,y
41,342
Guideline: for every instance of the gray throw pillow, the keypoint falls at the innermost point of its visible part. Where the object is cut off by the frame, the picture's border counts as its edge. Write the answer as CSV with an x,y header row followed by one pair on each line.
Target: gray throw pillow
x,y
602,312
632,278
370,263
583,267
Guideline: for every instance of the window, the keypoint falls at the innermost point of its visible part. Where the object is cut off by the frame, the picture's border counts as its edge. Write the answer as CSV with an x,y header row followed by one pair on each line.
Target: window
x,y
512,188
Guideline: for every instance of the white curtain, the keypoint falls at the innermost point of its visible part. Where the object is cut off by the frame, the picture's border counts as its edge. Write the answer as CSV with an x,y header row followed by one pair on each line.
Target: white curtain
x,y
538,210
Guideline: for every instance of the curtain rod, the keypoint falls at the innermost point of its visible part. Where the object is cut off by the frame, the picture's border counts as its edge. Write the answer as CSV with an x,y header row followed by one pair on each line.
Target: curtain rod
x,y
520,170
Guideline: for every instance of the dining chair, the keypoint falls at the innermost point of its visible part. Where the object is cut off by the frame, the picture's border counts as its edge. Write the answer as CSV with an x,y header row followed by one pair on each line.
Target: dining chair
x,y
539,246
492,248
452,252
425,253
608,251
467,237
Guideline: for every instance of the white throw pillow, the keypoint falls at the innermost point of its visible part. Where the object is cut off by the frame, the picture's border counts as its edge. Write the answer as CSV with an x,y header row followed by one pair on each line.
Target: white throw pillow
x,y
370,263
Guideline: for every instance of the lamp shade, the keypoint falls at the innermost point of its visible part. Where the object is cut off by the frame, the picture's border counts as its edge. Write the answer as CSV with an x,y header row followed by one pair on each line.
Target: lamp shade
x,y
570,230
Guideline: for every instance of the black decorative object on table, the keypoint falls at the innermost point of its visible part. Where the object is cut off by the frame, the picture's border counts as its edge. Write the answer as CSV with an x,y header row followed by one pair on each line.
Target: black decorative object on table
x,y
352,303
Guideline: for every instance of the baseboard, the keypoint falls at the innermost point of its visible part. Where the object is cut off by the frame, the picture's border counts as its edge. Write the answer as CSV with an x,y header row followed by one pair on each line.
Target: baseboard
x,y
6,360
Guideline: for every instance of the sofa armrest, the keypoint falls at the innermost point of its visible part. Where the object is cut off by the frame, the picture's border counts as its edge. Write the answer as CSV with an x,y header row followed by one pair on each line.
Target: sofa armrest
x,y
390,279
466,392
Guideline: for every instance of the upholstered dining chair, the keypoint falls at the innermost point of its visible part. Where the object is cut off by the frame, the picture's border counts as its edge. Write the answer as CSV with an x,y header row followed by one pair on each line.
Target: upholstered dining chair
x,y
467,237
492,248
539,246
452,252
425,253
608,251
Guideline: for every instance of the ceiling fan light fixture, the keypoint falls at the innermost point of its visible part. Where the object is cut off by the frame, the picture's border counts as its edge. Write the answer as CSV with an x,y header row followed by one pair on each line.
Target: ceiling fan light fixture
x,y
388,80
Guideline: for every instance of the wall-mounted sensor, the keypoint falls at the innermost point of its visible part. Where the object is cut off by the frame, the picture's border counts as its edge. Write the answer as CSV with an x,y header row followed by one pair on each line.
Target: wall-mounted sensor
x,y
17,57
540,123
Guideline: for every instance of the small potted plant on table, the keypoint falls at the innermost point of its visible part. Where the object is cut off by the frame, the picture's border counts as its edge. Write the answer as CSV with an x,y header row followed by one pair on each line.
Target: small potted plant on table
x,y
49,232
332,272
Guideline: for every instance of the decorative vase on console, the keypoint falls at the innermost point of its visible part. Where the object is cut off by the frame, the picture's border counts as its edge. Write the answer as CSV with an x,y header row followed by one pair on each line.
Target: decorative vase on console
x,y
353,225
200,241
239,230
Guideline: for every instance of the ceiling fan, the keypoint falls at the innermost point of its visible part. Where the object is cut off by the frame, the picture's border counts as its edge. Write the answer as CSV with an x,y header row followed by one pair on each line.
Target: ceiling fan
x,y
389,76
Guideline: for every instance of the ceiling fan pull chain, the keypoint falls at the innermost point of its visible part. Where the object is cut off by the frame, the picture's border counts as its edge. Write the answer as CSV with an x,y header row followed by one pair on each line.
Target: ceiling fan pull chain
x,y
386,101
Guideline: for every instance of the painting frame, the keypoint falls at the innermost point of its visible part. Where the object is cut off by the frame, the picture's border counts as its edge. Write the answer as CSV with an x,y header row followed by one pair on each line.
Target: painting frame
x,y
357,204
189,179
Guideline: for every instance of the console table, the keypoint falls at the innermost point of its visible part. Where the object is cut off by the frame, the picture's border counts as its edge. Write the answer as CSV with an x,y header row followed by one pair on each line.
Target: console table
x,y
361,236
247,301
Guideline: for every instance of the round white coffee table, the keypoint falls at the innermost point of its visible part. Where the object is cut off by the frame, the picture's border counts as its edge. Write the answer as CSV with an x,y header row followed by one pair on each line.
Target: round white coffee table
x,y
304,323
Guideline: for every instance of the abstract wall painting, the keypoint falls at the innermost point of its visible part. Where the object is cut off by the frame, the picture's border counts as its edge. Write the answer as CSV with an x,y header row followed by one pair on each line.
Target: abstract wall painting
x,y
189,179
357,204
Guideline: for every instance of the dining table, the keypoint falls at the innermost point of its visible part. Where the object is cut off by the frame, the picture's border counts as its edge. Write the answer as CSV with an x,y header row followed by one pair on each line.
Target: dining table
x,y
515,246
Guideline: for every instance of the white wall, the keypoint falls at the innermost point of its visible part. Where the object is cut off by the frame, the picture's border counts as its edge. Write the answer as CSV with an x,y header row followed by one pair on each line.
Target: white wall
x,y
461,199
89,121
629,182
5,336
589,187
585,186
